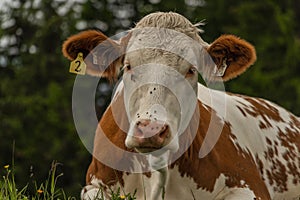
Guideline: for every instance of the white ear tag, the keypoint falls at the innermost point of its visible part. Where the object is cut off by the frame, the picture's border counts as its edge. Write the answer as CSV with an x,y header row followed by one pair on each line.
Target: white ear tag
x,y
220,71
95,60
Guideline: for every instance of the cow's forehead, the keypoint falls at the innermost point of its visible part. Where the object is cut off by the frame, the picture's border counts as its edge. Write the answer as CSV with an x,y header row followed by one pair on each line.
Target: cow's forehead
x,y
160,38
156,56
165,46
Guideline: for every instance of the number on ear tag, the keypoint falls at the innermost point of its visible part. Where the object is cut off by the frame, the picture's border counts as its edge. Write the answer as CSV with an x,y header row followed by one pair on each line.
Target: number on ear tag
x,y
78,66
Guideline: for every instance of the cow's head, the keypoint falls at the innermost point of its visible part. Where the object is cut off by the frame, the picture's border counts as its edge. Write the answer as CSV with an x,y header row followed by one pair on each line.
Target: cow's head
x,y
161,58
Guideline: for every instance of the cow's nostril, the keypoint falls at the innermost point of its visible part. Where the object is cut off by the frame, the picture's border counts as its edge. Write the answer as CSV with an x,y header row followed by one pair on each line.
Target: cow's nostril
x,y
164,132
143,122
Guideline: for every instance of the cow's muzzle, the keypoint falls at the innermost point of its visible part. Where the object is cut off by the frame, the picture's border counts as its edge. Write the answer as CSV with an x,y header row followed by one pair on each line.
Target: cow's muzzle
x,y
148,136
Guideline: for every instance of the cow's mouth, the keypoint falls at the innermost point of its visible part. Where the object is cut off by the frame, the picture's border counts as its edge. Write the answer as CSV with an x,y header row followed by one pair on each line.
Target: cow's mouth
x,y
146,149
154,143
148,136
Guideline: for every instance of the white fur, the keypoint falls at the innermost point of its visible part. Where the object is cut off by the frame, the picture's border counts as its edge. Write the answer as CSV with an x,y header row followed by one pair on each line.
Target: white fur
x,y
250,137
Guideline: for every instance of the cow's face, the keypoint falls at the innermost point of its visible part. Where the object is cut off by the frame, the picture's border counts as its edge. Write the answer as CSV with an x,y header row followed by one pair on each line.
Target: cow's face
x,y
160,79
161,59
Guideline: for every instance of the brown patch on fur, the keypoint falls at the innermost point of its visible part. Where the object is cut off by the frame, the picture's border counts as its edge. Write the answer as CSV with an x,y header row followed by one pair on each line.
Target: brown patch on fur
x,y
260,165
294,121
277,176
269,142
238,55
108,128
290,139
226,158
278,172
262,125
102,55
263,109
241,110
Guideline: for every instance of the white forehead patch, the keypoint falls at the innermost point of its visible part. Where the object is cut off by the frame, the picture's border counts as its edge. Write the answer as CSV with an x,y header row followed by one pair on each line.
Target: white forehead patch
x,y
168,40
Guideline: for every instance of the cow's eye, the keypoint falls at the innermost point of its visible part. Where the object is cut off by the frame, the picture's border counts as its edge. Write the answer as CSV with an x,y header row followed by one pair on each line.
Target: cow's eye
x,y
191,71
127,67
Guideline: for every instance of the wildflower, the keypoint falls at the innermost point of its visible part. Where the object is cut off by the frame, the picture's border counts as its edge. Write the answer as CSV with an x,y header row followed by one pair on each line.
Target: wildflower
x,y
6,166
39,191
122,197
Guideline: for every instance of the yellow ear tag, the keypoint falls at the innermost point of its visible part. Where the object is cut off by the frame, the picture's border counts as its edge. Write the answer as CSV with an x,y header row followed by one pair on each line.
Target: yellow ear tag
x,y
78,66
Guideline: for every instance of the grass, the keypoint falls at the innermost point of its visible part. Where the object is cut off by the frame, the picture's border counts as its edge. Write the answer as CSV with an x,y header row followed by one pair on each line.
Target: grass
x,y
44,191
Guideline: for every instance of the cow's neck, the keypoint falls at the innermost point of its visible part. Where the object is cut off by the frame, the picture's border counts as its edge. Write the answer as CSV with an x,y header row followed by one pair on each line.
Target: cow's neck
x,y
189,163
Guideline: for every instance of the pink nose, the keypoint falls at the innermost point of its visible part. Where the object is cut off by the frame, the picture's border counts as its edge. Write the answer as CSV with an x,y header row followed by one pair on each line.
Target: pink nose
x,y
150,133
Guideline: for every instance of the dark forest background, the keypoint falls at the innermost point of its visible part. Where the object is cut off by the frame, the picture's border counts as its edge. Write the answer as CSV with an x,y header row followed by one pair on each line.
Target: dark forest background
x,y
36,87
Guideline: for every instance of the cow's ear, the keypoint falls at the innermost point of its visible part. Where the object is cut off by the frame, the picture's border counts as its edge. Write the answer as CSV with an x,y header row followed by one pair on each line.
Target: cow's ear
x,y
102,55
232,56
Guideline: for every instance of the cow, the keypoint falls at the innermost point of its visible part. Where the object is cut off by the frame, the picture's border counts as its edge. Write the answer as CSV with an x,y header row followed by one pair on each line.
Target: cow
x,y
167,136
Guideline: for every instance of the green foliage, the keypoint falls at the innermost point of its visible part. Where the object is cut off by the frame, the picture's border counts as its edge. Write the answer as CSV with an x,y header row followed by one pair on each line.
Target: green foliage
x,y
35,94
275,76
8,188
46,190
36,88
116,195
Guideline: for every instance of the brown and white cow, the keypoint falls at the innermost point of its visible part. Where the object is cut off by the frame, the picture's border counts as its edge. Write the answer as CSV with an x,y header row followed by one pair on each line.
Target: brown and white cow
x,y
168,136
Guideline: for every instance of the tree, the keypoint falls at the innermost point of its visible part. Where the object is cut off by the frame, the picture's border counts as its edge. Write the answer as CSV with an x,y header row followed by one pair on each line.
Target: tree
x,y
271,27
35,92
